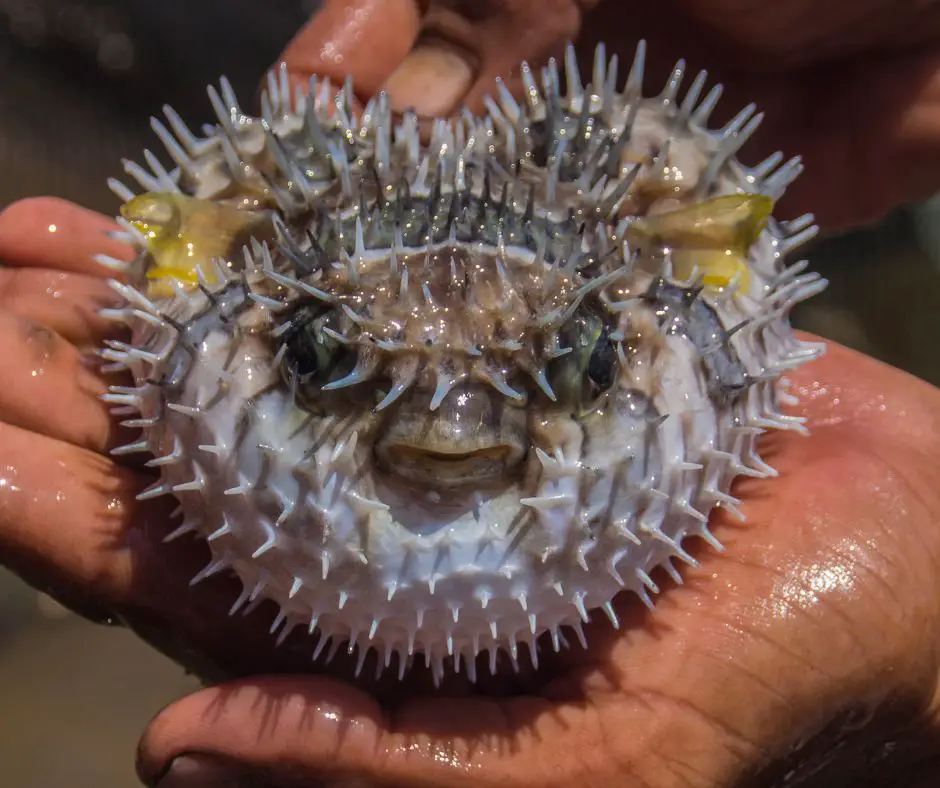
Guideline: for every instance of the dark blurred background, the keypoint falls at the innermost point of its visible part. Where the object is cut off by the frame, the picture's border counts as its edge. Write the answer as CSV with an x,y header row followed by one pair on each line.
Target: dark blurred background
x,y
80,79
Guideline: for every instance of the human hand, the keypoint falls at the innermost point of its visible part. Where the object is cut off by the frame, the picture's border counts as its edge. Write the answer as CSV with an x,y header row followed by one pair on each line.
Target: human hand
x,y
810,645
70,523
852,87
816,627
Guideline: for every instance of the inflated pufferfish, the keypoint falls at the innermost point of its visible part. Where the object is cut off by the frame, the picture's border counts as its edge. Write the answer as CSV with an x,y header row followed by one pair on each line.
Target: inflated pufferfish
x,y
441,399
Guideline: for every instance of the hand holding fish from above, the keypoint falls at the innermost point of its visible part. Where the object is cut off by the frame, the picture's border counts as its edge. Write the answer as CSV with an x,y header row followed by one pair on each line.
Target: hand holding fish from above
x,y
579,325
854,88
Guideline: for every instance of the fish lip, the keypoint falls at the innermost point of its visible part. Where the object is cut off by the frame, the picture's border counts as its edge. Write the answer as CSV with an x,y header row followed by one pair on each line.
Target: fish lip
x,y
494,452
447,470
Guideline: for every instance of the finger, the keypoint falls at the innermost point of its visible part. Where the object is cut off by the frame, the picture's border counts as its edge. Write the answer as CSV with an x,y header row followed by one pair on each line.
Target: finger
x,y
327,711
841,386
65,513
71,525
320,729
46,232
195,771
365,39
67,303
464,46
48,387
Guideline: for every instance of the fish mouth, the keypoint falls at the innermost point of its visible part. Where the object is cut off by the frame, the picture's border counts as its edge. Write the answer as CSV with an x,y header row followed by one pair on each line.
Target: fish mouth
x,y
436,455
433,466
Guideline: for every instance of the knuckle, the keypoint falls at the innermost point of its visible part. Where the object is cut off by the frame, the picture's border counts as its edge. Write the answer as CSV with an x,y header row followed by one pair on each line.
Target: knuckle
x,y
38,342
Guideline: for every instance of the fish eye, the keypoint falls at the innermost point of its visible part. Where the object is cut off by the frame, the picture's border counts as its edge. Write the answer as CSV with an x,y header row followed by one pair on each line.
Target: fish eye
x,y
589,370
602,363
309,347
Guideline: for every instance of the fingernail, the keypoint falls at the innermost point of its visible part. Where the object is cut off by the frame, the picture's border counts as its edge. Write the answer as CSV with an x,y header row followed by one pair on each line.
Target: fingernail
x,y
431,81
202,771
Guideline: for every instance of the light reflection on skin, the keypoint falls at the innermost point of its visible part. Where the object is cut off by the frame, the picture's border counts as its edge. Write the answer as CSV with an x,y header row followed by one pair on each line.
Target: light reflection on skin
x,y
447,757
805,586
357,19
832,405
806,589
439,752
332,716
7,483
37,494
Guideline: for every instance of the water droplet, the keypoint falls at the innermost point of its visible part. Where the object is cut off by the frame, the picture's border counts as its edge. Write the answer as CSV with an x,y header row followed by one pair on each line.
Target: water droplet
x,y
7,485
115,506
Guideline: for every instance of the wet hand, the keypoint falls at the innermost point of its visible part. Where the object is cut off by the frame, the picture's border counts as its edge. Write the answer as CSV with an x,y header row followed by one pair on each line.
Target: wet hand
x,y
70,523
810,644
852,87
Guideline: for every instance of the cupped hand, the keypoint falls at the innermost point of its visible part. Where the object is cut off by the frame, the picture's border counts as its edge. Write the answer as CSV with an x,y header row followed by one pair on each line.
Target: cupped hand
x,y
852,87
806,654
810,646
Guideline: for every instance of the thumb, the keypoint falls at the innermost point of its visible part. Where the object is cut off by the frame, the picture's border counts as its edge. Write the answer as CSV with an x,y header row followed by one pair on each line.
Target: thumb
x,y
317,726
364,39
304,730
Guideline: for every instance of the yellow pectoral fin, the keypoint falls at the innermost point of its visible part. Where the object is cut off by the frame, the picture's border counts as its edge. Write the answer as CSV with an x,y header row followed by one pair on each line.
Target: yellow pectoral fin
x,y
154,214
184,235
162,277
715,236
185,275
717,267
732,221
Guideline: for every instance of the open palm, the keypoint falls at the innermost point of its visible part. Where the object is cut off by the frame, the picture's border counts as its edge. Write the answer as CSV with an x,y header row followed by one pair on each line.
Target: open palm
x,y
817,627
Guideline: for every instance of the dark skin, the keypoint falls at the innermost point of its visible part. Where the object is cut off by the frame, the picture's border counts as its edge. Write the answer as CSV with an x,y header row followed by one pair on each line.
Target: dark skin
x,y
817,625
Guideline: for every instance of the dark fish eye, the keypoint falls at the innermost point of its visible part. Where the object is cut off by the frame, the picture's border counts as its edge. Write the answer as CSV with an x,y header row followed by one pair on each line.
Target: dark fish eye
x,y
602,364
309,350
581,376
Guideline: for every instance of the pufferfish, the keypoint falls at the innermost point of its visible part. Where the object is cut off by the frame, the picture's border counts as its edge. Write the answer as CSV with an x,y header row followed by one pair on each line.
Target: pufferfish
x,y
446,398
